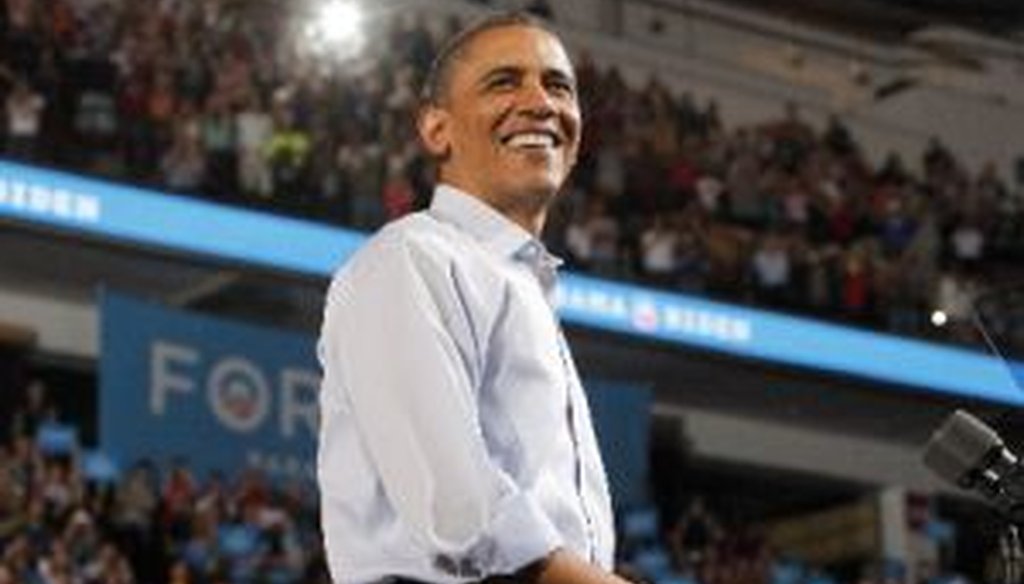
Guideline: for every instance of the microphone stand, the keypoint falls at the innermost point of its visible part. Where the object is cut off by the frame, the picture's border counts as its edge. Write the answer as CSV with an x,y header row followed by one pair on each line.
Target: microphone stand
x,y
966,452
1011,555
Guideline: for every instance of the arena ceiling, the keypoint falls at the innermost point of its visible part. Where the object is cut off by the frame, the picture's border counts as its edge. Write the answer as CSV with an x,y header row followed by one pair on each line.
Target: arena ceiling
x,y
893,20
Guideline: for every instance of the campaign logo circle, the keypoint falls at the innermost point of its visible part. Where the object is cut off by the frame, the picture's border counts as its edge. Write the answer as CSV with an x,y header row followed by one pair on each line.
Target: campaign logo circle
x,y
645,316
238,394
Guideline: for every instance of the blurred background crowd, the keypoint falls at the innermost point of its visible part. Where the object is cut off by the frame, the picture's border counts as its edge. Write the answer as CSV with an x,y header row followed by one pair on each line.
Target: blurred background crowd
x,y
216,100
68,516
209,98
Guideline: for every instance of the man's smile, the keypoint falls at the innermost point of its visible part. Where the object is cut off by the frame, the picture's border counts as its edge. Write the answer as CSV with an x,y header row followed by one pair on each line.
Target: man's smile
x,y
532,139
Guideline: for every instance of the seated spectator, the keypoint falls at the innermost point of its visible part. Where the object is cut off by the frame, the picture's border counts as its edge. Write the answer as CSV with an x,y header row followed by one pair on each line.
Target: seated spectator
x,y
771,268
659,245
24,114
179,573
219,138
362,169
19,558
12,520
693,539
691,255
967,243
397,193
593,240
937,160
856,289
540,8
177,498
287,153
59,490
36,409
255,128
135,503
955,300
109,566
57,566
200,551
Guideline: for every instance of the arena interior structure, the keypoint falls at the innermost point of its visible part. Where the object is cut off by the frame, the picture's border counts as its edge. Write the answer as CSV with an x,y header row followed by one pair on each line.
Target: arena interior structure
x,y
783,219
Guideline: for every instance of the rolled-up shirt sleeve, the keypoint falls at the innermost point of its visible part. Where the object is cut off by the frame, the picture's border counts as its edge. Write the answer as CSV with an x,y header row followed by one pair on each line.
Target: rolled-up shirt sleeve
x,y
399,340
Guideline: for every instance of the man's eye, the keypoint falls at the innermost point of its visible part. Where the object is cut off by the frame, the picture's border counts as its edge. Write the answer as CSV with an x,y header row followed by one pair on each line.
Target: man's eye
x,y
500,83
562,87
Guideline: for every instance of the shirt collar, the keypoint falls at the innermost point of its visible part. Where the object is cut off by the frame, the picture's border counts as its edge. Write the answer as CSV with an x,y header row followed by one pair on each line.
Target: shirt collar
x,y
492,229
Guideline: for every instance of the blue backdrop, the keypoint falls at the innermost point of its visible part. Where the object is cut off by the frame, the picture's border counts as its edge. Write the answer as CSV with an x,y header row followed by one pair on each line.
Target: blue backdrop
x,y
225,395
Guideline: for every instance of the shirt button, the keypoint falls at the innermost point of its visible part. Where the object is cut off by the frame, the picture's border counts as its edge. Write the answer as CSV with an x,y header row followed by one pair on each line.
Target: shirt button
x,y
446,564
530,251
469,569
464,567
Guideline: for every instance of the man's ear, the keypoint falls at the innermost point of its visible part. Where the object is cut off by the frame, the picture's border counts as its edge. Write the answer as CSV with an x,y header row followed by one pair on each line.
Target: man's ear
x,y
434,127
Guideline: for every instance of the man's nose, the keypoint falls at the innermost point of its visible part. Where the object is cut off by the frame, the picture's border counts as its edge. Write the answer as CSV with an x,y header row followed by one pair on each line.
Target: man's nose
x,y
536,100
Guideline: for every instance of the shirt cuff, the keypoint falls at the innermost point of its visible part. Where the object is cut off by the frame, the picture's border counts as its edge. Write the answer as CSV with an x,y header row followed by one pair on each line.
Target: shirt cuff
x,y
521,534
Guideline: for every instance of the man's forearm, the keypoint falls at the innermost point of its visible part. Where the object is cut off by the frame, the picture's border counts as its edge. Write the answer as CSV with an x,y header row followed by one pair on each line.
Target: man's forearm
x,y
565,567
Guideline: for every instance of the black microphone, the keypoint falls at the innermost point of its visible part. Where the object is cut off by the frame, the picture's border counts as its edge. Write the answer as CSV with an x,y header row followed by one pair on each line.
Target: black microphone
x,y
969,454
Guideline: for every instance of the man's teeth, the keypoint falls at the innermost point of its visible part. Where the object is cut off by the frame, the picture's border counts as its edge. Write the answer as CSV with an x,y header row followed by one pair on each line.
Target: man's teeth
x,y
531,140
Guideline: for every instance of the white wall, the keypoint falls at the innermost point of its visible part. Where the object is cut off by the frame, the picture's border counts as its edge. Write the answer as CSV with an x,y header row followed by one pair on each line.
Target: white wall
x,y
721,437
63,328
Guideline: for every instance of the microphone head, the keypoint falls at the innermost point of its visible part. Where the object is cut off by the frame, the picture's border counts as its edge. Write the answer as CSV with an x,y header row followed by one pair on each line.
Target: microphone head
x,y
959,447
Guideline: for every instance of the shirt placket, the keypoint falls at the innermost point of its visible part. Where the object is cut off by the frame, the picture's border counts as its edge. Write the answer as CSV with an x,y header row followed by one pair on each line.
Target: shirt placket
x,y
572,413
544,269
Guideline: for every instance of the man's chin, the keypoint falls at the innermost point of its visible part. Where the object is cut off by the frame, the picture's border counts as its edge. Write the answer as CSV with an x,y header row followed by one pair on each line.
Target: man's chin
x,y
543,187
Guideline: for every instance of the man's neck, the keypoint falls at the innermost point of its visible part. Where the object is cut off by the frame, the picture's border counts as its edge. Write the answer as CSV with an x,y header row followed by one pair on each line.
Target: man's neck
x,y
531,221
526,211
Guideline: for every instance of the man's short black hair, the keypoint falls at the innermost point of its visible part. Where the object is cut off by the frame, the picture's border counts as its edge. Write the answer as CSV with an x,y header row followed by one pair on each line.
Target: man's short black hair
x,y
435,85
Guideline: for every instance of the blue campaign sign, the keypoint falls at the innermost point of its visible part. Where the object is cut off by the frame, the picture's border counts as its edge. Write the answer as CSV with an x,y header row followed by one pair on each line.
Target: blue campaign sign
x,y
622,414
223,394
144,217
759,334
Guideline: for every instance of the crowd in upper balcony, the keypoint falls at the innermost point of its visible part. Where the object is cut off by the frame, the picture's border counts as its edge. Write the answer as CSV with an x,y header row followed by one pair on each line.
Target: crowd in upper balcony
x,y
226,100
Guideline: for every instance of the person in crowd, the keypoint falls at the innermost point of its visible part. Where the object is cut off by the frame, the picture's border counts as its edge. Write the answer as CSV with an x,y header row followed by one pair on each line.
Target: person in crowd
x,y
694,536
24,116
660,245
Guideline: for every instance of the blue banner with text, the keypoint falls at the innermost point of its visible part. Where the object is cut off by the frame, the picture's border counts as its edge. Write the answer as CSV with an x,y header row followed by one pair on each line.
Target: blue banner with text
x,y
223,395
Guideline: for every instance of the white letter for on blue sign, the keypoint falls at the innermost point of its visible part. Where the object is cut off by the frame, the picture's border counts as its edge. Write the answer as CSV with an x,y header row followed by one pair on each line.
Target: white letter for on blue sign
x,y
299,389
166,360
238,393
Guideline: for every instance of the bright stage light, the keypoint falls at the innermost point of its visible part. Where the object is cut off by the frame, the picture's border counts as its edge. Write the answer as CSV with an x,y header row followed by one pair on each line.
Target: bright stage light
x,y
939,318
340,21
337,28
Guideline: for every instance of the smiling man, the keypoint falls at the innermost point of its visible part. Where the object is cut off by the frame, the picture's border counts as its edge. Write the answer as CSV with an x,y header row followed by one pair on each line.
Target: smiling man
x,y
456,443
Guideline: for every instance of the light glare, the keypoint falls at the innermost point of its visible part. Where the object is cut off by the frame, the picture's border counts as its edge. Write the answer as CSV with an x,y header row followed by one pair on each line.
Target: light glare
x,y
340,22
939,318
336,30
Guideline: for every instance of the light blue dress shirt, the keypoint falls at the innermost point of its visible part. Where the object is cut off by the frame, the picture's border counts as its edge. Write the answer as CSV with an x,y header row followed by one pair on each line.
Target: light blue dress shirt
x,y
455,439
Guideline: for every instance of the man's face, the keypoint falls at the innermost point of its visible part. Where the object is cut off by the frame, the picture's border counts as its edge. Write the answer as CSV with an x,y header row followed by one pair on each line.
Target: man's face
x,y
508,127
